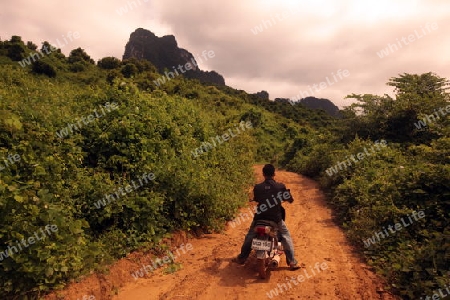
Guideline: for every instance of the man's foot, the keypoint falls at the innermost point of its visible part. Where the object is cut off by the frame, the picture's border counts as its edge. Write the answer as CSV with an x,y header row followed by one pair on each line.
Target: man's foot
x,y
295,266
238,260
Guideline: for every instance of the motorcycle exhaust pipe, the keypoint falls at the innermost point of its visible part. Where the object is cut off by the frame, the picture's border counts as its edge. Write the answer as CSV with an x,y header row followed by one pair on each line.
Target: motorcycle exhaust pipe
x,y
275,261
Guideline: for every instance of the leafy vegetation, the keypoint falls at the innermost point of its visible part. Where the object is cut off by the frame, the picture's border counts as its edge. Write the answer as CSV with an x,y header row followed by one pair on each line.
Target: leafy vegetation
x,y
59,178
155,129
411,174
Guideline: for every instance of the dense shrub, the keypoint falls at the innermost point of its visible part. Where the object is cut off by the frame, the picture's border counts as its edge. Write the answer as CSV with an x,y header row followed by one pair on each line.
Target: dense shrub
x,y
59,178
42,67
109,63
68,164
411,174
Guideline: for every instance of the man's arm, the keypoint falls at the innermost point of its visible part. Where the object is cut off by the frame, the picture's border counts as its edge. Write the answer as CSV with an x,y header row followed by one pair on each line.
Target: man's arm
x,y
290,199
287,196
254,194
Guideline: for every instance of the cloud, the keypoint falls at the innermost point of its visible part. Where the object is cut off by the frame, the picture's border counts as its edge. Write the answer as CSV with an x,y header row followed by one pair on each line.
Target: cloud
x,y
300,43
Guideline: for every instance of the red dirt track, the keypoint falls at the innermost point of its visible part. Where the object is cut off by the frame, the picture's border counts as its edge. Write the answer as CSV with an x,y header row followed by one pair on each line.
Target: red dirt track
x,y
208,274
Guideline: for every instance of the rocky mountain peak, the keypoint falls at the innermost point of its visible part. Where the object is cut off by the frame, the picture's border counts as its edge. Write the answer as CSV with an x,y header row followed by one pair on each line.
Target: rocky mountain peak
x,y
164,53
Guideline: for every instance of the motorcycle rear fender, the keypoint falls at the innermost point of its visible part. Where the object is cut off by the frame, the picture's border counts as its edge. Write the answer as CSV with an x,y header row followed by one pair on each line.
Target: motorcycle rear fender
x,y
261,254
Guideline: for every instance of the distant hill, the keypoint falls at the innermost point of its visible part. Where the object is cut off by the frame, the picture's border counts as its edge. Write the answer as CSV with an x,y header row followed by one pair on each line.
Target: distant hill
x,y
263,95
314,103
164,53
320,103
284,100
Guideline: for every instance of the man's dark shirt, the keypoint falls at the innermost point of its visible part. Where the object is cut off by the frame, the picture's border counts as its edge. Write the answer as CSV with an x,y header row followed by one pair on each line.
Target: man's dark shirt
x,y
269,202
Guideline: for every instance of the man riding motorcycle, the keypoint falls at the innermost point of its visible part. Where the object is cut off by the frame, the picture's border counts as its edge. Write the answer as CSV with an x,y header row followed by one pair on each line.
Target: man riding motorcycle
x,y
269,195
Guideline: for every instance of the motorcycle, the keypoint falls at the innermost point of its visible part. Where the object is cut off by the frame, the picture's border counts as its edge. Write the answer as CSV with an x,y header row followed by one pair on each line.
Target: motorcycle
x,y
267,247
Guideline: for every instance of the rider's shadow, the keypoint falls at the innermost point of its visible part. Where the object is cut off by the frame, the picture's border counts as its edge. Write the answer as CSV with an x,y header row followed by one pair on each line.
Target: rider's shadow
x,y
232,274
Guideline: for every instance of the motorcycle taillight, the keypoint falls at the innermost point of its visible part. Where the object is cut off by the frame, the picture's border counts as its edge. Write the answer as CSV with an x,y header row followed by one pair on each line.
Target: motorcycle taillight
x,y
262,229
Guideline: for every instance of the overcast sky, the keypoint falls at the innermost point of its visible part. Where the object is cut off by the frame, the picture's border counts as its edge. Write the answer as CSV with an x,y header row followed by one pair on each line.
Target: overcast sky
x,y
287,48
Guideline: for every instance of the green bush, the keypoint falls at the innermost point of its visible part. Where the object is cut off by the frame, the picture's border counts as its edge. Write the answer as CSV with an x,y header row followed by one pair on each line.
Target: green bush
x,y
411,174
59,179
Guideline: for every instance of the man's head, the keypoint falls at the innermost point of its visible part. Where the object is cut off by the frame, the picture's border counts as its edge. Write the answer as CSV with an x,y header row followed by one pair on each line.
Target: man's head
x,y
268,171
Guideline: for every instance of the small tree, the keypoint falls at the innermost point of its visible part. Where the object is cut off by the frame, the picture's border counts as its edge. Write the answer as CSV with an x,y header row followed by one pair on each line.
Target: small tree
x,y
113,74
15,39
378,117
16,52
31,46
129,70
16,48
141,64
109,63
79,55
41,67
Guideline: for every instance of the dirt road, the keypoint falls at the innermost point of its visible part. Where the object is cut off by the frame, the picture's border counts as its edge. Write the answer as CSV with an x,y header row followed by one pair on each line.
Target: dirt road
x,y
332,270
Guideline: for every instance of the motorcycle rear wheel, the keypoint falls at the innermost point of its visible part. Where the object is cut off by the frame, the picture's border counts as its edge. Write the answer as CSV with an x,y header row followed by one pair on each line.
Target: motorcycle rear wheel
x,y
262,268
